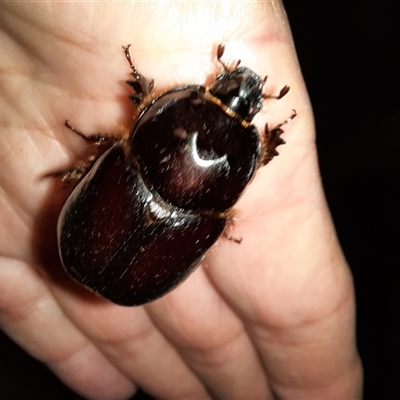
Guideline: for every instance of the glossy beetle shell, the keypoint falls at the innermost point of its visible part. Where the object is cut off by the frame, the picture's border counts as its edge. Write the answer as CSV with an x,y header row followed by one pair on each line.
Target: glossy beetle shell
x,y
144,215
193,154
125,243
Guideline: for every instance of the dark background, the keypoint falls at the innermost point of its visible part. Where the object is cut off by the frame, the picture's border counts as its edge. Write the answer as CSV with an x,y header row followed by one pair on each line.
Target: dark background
x,y
349,53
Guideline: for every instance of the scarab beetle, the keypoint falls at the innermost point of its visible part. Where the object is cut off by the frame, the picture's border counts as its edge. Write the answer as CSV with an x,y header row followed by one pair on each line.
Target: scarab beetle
x,y
144,214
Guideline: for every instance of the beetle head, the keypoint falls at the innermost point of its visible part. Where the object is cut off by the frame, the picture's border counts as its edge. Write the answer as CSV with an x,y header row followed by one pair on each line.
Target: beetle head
x,y
240,91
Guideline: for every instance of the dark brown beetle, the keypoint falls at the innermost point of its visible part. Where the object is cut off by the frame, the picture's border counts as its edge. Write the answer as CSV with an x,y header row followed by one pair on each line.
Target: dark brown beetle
x,y
144,215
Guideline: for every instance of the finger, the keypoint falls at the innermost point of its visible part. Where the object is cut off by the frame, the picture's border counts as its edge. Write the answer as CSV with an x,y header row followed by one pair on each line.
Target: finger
x,y
29,315
297,303
128,338
211,339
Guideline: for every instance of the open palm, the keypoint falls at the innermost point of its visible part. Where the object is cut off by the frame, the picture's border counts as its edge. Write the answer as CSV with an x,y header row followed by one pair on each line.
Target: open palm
x,y
274,314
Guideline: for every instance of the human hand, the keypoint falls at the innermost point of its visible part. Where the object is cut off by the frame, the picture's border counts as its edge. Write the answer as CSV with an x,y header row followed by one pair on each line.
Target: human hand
x,y
272,315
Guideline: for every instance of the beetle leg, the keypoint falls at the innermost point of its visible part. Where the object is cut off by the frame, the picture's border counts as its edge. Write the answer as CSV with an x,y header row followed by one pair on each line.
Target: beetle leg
x,y
102,142
229,225
273,139
98,139
72,175
140,84
238,241
282,93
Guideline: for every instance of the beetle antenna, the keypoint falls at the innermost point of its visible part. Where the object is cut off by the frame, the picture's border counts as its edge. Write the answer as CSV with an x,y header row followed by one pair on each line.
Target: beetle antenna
x,y
220,53
282,93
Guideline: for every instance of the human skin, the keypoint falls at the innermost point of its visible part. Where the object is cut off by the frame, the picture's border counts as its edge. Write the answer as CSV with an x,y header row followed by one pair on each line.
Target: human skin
x,y
270,318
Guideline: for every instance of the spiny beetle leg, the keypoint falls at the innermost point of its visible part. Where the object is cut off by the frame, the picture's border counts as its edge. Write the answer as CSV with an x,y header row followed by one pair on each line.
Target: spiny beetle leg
x,y
273,139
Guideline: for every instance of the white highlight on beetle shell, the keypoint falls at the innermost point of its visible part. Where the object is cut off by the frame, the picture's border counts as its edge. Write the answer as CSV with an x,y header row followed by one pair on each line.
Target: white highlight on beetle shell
x,y
193,148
